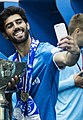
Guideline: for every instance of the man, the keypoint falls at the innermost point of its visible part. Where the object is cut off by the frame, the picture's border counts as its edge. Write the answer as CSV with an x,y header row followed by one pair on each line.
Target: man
x,y
44,85
70,96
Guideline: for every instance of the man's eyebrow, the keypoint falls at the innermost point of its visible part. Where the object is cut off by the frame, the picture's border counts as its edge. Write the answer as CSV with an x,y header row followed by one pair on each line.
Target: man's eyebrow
x,y
12,21
18,19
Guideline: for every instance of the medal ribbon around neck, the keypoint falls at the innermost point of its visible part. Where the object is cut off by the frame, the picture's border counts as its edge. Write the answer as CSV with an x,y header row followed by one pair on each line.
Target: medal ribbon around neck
x,y
27,78
24,85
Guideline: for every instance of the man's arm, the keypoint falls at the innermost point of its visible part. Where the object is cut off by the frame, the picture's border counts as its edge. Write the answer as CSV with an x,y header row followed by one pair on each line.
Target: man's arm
x,y
66,84
73,80
69,56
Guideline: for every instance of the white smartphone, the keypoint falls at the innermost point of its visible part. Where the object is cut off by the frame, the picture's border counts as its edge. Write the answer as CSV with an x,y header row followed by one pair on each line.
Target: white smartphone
x,y
60,30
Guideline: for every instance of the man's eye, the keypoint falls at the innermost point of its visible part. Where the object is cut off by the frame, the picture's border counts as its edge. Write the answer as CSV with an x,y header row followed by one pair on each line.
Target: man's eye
x,y
9,26
19,21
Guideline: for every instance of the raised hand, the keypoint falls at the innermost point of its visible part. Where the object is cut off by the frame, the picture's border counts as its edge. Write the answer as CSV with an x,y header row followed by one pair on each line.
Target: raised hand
x,y
69,44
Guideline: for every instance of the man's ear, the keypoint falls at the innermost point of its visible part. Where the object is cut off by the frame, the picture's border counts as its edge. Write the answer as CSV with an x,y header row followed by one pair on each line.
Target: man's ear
x,y
28,26
5,36
77,30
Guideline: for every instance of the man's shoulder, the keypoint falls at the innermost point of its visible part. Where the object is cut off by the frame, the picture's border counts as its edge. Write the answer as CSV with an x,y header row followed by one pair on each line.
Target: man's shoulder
x,y
46,47
44,44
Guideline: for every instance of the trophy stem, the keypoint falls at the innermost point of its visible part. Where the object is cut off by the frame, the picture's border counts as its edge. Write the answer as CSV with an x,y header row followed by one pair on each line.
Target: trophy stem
x,y
4,109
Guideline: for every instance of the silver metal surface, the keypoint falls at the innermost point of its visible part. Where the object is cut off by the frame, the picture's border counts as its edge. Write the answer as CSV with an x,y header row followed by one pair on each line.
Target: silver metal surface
x,y
8,69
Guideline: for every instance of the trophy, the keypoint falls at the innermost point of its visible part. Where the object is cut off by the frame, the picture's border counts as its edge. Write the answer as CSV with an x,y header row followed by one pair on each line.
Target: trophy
x,y
8,69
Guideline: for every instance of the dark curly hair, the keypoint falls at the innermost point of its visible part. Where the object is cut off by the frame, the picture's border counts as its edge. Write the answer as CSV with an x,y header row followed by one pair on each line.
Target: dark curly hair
x,y
11,10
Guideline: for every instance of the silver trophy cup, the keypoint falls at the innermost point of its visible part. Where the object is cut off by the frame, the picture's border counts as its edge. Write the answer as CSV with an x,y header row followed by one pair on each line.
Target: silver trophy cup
x,y
8,70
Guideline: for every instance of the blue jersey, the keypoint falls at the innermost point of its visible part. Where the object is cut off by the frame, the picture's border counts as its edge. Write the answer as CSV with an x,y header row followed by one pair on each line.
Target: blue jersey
x,y
70,97
2,56
44,88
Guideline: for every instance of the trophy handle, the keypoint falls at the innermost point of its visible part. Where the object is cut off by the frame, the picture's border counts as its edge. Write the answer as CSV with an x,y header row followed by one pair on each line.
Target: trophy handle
x,y
4,108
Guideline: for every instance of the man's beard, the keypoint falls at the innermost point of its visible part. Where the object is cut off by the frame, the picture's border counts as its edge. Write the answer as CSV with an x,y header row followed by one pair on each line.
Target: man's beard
x,y
21,40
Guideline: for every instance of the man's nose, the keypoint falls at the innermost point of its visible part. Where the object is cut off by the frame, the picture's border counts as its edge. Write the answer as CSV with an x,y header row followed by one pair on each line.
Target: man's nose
x,y
15,25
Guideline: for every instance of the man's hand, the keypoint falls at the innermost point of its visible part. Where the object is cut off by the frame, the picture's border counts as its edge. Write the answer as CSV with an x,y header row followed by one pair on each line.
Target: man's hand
x,y
78,78
70,53
14,81
69,44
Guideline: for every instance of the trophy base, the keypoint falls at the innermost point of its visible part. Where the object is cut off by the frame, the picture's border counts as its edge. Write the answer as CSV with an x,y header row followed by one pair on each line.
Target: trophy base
x,y
4,112
4,108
